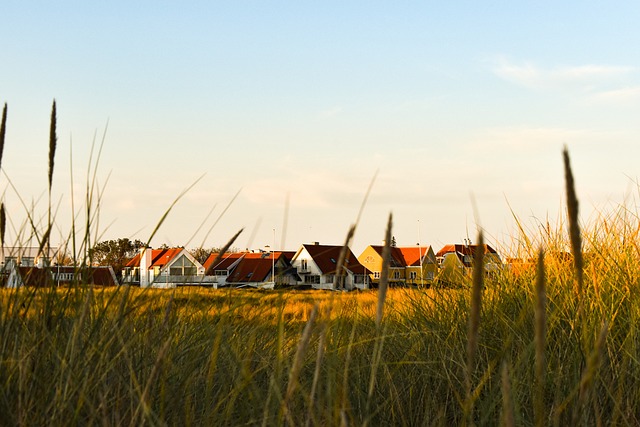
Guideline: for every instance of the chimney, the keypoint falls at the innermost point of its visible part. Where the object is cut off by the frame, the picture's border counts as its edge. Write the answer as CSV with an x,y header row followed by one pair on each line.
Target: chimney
x,y
316,243
145,263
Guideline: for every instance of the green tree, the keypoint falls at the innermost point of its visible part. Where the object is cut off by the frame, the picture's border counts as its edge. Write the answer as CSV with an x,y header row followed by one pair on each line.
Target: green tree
x,y
115,253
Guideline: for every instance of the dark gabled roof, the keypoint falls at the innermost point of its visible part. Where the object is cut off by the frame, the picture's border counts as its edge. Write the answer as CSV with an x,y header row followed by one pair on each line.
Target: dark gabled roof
x,y
460,250
64,275
227,259
251,270
395,260
288,255
222,263
326,258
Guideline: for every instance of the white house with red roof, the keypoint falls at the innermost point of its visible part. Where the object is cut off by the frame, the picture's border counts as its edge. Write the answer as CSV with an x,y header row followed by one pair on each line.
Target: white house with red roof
x,y
165,268
317,266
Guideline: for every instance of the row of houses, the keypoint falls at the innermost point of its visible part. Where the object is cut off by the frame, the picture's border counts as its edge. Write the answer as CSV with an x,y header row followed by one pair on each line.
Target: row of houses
x,y
311,266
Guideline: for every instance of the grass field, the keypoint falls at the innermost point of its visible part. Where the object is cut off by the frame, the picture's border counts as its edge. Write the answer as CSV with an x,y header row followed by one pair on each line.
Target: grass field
x,y
232,357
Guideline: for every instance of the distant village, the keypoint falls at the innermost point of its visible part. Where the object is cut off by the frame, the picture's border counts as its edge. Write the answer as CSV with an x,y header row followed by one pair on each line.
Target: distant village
x,y
312,266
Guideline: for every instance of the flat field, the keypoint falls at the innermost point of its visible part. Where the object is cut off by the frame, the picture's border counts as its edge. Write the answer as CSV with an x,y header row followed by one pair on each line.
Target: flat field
x,y
125,356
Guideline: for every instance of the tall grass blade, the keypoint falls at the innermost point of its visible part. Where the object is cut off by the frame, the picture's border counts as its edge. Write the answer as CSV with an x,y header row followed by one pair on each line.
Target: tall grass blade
x,y
574,227
344,394
384,272
235,196
3,223
298,360
508,418
366,197
74,253
224,249
173,204
540,334
316,375
591,371
474,322
53,141
3,130
338,281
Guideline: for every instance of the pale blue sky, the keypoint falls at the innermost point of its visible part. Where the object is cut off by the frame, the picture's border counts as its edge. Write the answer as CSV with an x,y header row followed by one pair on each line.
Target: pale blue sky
x,y
444,99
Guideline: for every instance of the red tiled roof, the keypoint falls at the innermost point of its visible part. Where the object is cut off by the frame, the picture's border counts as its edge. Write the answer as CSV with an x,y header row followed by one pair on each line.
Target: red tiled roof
x,y
404,256
159,257
134,262
412,255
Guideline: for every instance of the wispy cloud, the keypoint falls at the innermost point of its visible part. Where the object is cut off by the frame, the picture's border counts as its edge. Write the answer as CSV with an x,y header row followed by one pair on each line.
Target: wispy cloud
x,y
587,77
617,96
330,112
526,74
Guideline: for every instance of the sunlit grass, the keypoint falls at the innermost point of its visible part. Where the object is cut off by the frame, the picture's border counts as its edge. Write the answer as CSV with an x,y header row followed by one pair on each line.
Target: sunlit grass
x,y
203,356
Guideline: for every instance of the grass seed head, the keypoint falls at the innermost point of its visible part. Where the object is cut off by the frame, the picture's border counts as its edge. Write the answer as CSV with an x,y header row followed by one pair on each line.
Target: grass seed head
x,y
3,130
53,141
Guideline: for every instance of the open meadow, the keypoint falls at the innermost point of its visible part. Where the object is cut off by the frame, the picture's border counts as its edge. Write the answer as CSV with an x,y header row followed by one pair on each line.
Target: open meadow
x,y
126,356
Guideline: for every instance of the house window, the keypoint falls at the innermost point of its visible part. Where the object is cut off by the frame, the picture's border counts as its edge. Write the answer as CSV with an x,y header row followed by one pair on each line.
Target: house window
x,y
303,264
183,267
396,274
312,279
430,275
376,274
27,261
413,275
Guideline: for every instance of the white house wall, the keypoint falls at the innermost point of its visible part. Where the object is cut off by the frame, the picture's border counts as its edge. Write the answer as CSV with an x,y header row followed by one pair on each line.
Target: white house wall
x,y
312,267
